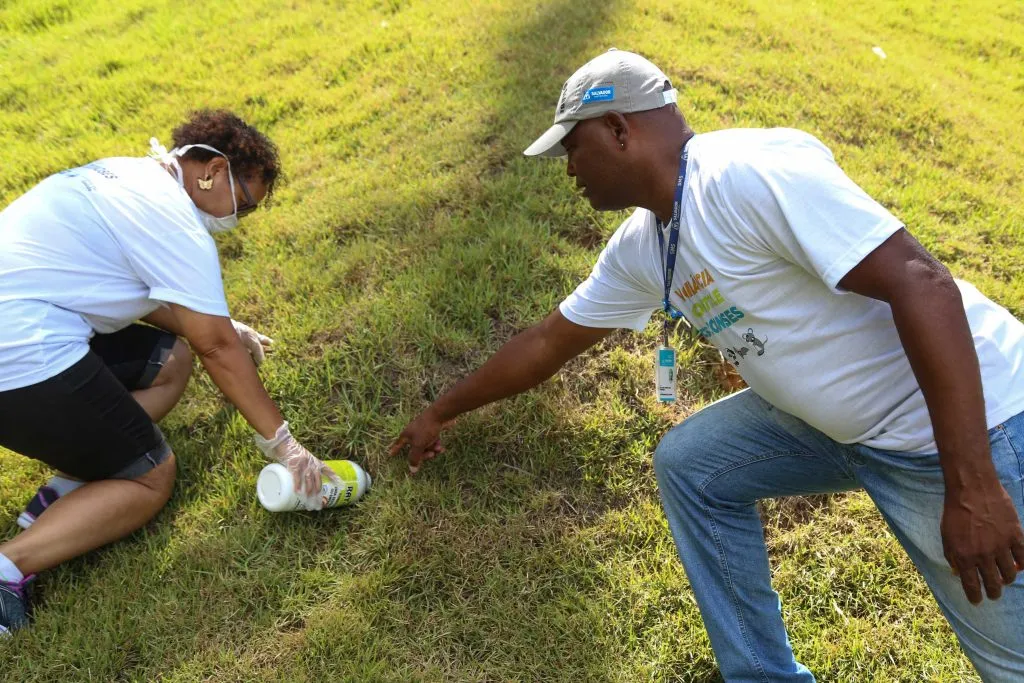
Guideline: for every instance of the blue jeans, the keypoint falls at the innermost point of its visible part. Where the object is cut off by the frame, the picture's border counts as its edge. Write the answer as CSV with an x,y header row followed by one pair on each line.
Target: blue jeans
x,y
713,468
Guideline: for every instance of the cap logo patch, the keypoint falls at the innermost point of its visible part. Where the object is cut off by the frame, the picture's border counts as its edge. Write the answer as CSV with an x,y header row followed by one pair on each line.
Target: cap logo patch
x,y
603,93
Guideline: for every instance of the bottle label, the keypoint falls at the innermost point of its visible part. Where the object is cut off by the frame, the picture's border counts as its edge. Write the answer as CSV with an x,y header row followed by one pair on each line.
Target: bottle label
x,y
334,495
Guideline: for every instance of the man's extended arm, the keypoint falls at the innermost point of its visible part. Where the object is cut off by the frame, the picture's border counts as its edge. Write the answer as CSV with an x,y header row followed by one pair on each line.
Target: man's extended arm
x,y
525,361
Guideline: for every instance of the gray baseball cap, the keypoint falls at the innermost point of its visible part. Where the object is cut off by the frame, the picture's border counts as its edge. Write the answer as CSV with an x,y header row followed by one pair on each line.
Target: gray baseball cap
x,y
614,81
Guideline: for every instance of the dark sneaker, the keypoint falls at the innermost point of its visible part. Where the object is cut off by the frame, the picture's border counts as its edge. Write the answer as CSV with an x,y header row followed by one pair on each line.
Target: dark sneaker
x,y
43,499
14,604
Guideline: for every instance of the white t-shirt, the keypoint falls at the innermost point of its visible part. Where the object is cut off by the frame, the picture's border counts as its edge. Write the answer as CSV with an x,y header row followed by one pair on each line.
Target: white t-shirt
x,y
93,249
770,226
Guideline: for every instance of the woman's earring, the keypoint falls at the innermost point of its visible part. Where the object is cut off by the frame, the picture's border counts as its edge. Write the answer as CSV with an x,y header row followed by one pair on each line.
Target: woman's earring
x,y
205,183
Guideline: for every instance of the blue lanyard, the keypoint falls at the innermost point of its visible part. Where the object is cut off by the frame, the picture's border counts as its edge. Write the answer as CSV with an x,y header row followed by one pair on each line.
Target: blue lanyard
x,y
671,313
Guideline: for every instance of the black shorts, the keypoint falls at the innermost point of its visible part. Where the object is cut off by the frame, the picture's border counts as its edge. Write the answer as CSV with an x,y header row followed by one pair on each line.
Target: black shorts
x,y
83,421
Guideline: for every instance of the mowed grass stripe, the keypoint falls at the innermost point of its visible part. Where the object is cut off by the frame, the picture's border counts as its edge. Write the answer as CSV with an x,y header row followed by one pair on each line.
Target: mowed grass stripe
x,y
409,241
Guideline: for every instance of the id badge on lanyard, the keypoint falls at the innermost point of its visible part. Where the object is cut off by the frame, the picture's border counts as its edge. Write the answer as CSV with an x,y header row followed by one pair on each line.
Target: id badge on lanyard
x,y
665,373
665,356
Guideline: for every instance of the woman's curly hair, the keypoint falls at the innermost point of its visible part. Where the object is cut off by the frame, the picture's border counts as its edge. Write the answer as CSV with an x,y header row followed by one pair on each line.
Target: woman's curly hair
x,y
251,153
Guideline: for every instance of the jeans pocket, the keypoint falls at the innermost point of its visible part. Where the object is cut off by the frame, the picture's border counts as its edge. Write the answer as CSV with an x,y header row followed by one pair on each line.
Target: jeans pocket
x,y
1007,447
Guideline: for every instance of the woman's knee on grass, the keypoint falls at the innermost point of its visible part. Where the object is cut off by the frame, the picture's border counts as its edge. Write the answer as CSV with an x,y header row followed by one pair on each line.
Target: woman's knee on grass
x,y
177,368
160,479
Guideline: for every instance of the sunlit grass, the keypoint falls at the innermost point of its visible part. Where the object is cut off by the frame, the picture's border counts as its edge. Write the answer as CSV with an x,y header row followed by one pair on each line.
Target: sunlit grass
x,y
410,240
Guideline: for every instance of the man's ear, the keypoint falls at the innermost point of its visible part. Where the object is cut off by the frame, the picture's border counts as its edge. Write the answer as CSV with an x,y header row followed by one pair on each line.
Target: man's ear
x,y
618,126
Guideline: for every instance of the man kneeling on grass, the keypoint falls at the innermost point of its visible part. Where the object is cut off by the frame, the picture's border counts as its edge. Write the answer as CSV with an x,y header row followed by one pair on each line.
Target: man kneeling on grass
x,y
868,364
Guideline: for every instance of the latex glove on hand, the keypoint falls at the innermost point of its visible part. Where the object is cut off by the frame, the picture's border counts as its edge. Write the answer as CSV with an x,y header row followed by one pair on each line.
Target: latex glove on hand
x,y
255,343
308,471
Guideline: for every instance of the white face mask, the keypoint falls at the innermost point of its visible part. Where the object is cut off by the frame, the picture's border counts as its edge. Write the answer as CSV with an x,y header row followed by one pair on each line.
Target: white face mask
x,y
213,224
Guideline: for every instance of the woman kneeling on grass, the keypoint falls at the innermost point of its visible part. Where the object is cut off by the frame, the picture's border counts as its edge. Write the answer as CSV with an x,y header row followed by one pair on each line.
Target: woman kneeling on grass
x,y
83,256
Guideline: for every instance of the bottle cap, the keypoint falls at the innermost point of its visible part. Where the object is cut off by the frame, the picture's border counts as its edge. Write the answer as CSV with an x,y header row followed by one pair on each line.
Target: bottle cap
x,y
274,488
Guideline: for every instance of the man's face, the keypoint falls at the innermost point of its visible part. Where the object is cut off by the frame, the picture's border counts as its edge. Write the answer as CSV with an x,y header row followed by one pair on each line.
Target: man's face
x,y
595,160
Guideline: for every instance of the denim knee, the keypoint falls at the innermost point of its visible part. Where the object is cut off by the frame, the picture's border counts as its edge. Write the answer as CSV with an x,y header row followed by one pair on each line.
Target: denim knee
x,y
677,456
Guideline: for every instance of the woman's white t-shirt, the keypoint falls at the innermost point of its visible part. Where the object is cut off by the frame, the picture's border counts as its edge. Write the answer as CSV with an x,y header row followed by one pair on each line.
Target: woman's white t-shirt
x,y
771,225
93,249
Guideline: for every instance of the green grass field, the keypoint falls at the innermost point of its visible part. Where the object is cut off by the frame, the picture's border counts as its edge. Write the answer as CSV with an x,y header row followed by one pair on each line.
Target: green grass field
x,y
409,241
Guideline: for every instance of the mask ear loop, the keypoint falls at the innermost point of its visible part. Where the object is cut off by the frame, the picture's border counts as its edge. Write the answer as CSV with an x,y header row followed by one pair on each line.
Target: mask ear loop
x,y
207,183
159,152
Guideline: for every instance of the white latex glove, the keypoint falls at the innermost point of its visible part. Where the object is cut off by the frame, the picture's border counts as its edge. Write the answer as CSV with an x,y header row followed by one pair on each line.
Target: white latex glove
x,y
306,469
255,343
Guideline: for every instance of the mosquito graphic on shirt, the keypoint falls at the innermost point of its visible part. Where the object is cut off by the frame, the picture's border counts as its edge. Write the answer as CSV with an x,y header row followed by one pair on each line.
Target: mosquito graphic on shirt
x,y
736,355
754,341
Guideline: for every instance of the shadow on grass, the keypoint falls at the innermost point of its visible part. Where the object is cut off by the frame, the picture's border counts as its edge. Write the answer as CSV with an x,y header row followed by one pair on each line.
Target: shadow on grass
x,y
513,486
492,569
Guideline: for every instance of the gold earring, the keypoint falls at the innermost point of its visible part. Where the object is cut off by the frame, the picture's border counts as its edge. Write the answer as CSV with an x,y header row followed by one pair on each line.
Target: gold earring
x,y
205,183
